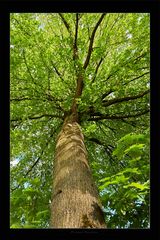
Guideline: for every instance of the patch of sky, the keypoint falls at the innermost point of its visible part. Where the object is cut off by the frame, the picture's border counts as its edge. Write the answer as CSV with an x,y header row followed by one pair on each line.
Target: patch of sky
x,y
104,191
36,17
111,95
128,34
139,19
41,26
139,202
148,84
24,127
16,160
110,210
26,184
90,76
22,219
11,46
21,50
82,25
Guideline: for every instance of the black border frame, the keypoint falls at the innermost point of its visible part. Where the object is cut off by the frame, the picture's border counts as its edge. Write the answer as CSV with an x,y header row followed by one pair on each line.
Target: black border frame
x,y
150,6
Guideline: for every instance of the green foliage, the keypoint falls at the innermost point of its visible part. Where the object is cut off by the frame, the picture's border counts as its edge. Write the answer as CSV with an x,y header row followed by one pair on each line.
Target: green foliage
x,y
27,206
131,144
132,181
90,129
42,89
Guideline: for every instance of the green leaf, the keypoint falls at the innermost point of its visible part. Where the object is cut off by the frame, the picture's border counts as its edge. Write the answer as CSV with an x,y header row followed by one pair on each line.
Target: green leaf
x,y
118,180
29,226
137,185
42,213
135,150
16,225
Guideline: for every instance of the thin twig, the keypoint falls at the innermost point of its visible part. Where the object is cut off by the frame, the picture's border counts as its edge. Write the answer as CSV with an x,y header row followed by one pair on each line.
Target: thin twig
x,y
36,117
99,116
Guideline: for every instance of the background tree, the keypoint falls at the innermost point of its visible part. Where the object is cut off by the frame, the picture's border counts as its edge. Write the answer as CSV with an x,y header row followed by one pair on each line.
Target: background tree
x,y
96,65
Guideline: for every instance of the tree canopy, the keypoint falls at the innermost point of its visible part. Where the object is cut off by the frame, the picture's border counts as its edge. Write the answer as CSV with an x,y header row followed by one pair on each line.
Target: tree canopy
x,y
112,51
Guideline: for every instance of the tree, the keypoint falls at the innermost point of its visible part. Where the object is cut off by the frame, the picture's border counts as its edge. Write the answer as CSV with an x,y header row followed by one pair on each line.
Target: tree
x,y
79,92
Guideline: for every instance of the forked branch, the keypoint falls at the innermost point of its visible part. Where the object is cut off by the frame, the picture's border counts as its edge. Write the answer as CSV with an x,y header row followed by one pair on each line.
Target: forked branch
x,y
92,40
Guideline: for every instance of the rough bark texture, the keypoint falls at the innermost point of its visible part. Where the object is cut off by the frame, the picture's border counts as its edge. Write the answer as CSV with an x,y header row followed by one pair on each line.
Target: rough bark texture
x,y
75,200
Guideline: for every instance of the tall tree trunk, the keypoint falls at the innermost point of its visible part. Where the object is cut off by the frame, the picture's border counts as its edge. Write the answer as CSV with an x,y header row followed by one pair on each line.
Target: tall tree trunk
x,y
75,200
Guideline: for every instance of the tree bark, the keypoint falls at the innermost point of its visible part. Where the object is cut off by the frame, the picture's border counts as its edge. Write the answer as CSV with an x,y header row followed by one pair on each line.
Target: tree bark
x,y
75,200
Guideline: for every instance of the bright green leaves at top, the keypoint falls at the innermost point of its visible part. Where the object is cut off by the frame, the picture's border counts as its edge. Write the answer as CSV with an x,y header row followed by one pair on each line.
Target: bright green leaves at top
x,y
47,41
38,53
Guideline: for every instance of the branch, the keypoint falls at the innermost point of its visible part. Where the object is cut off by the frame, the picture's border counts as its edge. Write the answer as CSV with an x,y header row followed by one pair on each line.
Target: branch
x,y
49,97
33,80
24,57
42,58
100,143
23,29
136,78
75,48
108,148
114,23
99,116
23,99
92,40
112,74
89,30
31,99
58,73
36,117
106,126
130,123
107,93
65,23
111,91
124,99
132,59
98,65
35,163
139,57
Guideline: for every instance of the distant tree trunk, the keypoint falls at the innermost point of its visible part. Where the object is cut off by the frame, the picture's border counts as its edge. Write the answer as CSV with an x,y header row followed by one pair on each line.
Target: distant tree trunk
x,y
75,200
